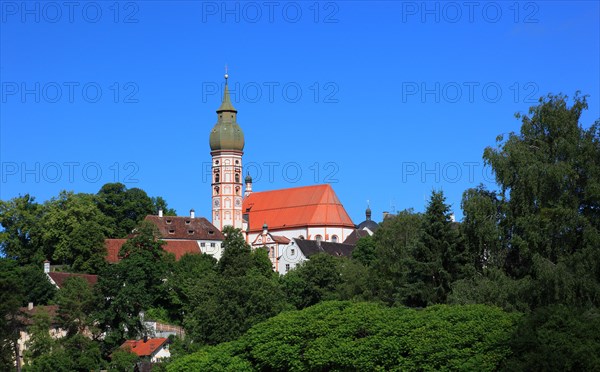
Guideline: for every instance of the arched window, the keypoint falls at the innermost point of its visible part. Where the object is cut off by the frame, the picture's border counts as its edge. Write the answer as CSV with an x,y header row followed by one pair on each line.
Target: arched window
x,y
217,178
318,238
237,178
334,239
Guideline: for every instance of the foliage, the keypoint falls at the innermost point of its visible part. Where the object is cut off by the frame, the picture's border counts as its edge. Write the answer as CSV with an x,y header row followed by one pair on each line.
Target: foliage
x,y
393,243
131,286
19,239
364,251
122,360
75,304
125,208
40,340
366,336
557,338
312,281
73,231
549,177
12,294
481,228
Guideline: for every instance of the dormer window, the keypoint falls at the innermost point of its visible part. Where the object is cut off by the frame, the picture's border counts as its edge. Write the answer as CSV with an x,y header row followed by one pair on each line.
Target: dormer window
x,y
210,232
191,232
172,231
168,222
187,222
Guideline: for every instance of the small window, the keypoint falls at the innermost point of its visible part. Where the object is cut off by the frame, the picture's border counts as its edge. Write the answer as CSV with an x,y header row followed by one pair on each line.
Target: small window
x,y
318,238
293,252
203,245
210,232
287,267
334,239
212,245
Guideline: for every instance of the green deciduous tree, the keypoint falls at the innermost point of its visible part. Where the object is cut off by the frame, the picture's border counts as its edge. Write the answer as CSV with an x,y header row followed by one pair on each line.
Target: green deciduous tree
x,y
549,175
75,301
125,208
73,232
364,251
19,239
40,340
341,336
133,285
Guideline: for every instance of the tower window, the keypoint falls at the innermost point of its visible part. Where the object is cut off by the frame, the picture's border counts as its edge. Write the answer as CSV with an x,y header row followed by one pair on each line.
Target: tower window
x,y
217,177
237,178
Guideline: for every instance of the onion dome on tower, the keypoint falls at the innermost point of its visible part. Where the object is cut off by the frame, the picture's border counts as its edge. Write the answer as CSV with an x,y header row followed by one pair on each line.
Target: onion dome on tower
x,y
368,223
226,134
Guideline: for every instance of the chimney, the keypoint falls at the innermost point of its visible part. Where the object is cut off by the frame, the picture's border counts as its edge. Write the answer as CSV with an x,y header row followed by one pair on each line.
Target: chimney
x,y
265,229
160,212
192,213
30,306
46,266
145,338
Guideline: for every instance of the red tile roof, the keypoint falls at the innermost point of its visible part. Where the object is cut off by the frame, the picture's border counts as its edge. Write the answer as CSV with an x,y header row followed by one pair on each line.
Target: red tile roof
x,y
141,348
177,247
280,239
187,228
59,278
296,207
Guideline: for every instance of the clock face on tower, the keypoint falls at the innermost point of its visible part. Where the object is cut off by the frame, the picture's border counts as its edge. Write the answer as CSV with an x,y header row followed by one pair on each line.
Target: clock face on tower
x,y
217,203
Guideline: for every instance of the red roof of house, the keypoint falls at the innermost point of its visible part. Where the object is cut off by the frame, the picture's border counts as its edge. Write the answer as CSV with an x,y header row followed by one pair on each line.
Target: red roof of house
x,y
141,348
178,227
296,207
59,278
177,247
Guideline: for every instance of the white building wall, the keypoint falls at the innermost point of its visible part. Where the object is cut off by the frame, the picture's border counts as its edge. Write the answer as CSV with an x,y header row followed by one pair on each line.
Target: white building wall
x,y
289,255
163,352
308,233
206,246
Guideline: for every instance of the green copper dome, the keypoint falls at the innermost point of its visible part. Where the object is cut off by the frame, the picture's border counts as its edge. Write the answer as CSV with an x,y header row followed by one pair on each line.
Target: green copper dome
x,y
226,134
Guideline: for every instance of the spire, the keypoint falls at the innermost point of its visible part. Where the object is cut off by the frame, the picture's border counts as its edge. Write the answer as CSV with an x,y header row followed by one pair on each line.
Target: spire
x,y
226,104
368,211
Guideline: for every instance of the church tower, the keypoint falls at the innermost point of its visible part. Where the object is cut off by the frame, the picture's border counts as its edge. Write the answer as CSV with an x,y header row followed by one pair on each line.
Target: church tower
x,y
226,148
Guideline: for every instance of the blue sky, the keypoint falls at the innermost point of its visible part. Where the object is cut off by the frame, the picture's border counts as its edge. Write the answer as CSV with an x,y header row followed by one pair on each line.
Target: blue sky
x,y
385,100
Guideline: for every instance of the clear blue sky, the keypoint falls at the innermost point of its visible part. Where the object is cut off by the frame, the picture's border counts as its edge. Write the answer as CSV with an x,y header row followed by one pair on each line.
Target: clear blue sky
x,y
385,100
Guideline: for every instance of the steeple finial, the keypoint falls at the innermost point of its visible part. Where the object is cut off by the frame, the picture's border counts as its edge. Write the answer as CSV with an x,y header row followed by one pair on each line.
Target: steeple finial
x,y
226,104
368,211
